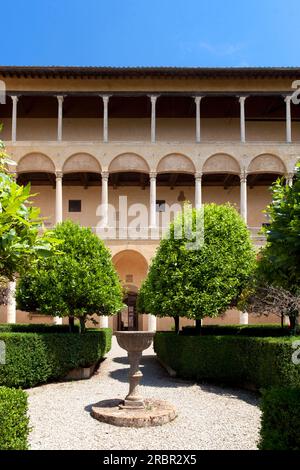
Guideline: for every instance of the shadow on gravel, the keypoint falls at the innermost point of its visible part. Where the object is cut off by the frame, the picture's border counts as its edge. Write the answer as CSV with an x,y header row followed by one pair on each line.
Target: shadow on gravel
x,y
154,375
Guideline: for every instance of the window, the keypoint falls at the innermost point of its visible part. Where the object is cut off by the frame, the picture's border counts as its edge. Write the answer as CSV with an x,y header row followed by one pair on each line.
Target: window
x,y
74,205
160,206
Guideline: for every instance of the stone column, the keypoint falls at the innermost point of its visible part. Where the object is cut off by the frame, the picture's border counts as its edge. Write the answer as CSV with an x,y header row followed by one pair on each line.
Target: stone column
x,y
105,99
153,200
103,321
15,100
198,190
152,323
242,100
58,198
11,303
288,119
60,100
153,118
104,199
244,318
58,216
243,195
198,119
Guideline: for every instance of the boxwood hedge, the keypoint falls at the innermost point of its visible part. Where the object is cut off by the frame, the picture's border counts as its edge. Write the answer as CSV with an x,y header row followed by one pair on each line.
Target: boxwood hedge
x,y
242,330
246,361
14,427
35,328
35,358
280,424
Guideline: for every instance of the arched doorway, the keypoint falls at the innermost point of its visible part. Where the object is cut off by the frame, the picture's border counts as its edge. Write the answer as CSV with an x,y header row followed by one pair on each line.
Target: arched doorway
x,y
128,317
132,268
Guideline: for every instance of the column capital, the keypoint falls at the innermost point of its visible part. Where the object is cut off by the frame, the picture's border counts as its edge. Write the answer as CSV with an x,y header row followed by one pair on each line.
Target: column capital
x,y
59,174
243,176
153,98
152,175
15,98
105,175
198,175
60,98
288,98
242,99
198,98
105,98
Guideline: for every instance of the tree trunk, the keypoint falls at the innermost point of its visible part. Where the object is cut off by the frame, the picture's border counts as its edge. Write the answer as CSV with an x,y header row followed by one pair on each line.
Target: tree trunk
x,y
176,320
293,323
198,327
71,324
82,324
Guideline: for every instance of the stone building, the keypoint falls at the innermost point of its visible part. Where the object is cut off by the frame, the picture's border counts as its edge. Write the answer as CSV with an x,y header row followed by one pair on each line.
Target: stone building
x,y
86,136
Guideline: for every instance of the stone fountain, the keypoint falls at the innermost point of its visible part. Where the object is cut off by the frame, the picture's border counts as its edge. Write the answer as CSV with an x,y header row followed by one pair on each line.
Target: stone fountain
x,y
134,410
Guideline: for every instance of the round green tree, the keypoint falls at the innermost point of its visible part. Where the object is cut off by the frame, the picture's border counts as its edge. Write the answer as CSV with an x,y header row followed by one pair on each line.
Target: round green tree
x,y
279,265
202,278
79,281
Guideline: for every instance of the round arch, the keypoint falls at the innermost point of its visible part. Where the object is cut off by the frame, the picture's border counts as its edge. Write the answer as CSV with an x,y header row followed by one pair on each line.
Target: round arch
x,y
81,163
176,163
221,163
267,163
35,163
131,266
128,162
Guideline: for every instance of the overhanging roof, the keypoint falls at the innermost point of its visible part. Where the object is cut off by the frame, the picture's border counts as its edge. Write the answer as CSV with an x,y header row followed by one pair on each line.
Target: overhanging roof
x,y
142,72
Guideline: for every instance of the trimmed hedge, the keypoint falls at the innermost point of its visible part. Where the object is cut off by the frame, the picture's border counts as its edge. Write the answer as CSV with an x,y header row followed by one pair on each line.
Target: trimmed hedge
x,y
242,330
280,424
14,422
35,358
35,328
240,360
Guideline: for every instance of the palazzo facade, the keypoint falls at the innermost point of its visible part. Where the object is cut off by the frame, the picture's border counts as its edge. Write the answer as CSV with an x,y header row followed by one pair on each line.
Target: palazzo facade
x,y
97,143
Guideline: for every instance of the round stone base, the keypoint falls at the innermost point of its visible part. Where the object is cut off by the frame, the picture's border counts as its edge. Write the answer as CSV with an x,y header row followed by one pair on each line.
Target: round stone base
x,y
155,413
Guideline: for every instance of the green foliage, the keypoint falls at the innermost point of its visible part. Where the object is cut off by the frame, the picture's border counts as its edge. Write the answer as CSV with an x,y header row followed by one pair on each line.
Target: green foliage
x,y
36,328
241,330
280,424
81,281
280,261
14,422
20,242
201,282
35,358
240,360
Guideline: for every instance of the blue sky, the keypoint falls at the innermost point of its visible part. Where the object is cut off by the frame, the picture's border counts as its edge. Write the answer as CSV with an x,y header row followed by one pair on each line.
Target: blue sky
x,y
150,32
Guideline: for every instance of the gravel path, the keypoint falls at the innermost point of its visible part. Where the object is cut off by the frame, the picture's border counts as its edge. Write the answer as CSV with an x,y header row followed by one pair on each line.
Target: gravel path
x,y
209,417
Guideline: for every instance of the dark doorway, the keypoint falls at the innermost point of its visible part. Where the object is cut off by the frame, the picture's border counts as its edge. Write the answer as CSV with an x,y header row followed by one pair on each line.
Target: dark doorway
x,y
128,318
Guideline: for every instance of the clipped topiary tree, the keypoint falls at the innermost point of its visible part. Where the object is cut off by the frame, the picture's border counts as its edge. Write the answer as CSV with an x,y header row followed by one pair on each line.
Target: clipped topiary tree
x,y
197,280
79,281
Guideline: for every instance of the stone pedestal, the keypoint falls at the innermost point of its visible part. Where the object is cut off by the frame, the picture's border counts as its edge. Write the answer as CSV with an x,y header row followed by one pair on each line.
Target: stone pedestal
x,y
134,411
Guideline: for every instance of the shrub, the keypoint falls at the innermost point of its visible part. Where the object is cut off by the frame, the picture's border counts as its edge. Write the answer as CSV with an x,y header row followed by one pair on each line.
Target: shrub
x,y
280,424
36,328
241,330
203,281
35,358
80,281
14,422
240,360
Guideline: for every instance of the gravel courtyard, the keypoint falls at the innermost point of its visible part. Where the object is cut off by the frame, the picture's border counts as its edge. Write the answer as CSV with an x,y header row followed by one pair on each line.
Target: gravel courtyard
x,y
209,417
